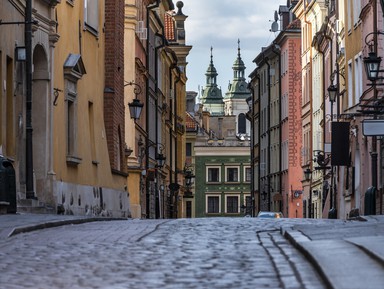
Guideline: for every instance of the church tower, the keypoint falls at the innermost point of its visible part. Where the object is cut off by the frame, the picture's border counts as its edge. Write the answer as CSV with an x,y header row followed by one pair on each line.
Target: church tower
x,y
212,99
235,98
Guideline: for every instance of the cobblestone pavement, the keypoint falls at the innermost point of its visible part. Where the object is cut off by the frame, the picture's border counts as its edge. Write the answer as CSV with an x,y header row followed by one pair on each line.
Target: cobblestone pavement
x,y
186,253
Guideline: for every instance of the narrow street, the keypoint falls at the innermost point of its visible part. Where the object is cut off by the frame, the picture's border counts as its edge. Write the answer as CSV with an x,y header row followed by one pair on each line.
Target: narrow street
x,y
183,253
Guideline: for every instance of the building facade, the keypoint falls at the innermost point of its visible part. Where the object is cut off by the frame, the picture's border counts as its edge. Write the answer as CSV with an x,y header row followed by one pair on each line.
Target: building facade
x,y
221,147
69,134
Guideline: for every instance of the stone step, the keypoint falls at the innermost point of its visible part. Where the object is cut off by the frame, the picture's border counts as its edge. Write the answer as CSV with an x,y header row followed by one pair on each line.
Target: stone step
x,y
34,206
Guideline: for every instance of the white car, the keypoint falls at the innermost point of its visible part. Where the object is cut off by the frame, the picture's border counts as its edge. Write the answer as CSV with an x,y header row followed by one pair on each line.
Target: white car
x,y
264,214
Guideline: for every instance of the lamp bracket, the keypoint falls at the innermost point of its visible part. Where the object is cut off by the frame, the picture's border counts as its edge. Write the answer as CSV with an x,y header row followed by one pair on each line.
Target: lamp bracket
x,y
137,88
337,72
378,32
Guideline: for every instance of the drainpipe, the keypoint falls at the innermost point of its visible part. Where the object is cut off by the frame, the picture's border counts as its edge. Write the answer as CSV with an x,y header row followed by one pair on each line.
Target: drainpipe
x,y
149,9
277,50
259,130
311,122
30,194
157,48
374,138
252,145
330,40
259,140
170,213
178,78
269,133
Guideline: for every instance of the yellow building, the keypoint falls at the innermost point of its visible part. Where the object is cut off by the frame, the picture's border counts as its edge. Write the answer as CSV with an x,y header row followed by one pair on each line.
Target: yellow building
x,y
85,182
159,61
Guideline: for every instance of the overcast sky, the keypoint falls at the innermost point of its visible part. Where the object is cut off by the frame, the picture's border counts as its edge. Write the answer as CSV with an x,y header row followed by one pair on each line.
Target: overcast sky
x,y
220,23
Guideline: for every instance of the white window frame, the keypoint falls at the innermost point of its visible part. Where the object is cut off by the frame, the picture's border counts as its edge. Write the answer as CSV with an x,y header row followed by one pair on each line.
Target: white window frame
x,y
358,77
245,174
238,203
207,174
91,16
356,11
238,174
207,196
350,83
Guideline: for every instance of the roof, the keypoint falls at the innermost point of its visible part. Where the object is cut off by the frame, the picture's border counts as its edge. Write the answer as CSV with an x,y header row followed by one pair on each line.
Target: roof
x,y
295,24
190,123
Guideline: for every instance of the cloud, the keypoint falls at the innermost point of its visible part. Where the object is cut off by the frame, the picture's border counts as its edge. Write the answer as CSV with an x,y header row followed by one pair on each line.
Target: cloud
x,y
220,23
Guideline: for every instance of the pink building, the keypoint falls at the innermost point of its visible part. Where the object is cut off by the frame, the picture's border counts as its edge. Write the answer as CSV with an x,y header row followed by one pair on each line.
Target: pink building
x,y
289,41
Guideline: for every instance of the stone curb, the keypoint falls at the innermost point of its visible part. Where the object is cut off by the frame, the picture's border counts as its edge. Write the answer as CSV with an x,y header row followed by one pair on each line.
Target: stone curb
x,y
52,224
296,238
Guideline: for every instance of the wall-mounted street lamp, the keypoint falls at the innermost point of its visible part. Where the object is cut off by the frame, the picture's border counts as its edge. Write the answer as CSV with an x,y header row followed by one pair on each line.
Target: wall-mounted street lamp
x,y
334,90
20,53
135,107
160,162
160,157
372,64
188,175
372,61
308,178
332,93
307,174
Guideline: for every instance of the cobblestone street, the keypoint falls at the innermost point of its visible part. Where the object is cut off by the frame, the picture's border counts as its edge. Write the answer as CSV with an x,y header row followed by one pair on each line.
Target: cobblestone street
x,y
188,253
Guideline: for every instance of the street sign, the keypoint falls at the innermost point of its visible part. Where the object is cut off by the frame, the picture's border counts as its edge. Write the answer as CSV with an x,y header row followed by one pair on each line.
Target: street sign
x,y
373,127
174,186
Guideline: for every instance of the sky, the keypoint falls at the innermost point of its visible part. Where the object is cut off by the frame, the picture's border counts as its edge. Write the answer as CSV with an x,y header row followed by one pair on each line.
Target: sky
x,y
220,23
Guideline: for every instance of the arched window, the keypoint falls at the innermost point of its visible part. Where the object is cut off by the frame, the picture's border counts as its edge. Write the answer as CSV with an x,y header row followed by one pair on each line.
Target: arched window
x,y
241,123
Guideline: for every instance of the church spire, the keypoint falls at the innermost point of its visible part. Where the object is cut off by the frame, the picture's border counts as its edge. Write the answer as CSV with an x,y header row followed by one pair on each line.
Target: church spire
x,y
211,71
238,66
212,98
238,48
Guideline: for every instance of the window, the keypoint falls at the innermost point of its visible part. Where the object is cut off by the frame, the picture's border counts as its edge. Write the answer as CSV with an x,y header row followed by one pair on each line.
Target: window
x,y
356,11
358,78
350,84
247,175
248,205
188,213
213,204
91,15
232,174
213,174
71,118
232,205
73,71
91,120
188,149
241,123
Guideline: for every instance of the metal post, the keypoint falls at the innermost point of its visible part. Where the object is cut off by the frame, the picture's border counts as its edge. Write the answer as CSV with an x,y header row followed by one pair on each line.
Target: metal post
x,y
331,190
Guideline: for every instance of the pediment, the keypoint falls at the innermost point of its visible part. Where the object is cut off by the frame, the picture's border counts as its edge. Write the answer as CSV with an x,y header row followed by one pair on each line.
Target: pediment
x,y
74,66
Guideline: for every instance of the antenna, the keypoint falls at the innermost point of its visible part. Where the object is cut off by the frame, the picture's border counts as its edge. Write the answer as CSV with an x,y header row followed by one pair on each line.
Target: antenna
x,y
275,25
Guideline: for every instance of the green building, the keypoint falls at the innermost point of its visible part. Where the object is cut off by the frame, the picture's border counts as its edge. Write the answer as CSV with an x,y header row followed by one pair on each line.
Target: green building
x,y
221,149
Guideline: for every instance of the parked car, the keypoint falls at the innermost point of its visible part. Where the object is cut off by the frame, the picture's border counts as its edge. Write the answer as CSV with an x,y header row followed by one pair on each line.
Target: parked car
x,y
264,214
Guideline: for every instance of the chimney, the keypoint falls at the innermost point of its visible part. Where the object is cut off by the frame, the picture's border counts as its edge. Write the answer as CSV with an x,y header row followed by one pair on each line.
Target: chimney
x,y
206,115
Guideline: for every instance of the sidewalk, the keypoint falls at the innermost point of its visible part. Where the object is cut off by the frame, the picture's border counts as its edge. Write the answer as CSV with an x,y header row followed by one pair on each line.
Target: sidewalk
x,y
347,254
13,224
